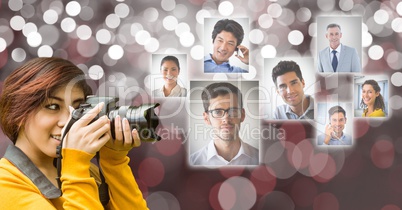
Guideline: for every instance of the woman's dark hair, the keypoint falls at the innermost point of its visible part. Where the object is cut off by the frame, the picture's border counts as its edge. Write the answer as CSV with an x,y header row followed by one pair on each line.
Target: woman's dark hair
x,y
171,58
379,100
229,26
27,88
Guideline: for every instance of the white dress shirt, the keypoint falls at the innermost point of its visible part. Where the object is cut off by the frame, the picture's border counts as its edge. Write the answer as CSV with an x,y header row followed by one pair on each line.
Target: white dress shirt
x,y
177,91
247,155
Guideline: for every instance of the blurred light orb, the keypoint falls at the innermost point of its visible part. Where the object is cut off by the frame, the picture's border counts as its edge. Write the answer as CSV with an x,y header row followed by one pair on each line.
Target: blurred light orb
x,y
326,5
364,27
170,23
395,102
295,37
103,36
29,28
197,52
50,16
287,17
181,28
17,23
256,36
151,14
381,17
265,21
162,200
168,5
303,14
237,193
367,39
225,8
109,62
73,8
122,10
15,5
187,39
142,37
96,72
57,6
112,21
399,8
152,45
87,13
45,51
3,44
375,52
268,51
27,11
396,24
18,54
201,15
68,25
180,11
396,79
312,29
50,34
115,52
84,32
135,28
394,60
88,48
275,10
346,5
34,39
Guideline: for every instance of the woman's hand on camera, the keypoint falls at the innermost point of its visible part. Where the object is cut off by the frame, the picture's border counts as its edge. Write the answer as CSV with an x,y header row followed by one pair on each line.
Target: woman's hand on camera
x,y
86,136
125,138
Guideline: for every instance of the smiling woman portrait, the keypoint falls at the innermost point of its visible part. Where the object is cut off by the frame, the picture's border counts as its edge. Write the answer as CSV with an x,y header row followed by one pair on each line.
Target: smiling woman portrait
x,y
170,70
35,105
372,100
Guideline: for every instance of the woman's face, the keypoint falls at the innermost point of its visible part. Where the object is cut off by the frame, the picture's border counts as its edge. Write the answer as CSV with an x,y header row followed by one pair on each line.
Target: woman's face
x,y
41,133
170,72
369,94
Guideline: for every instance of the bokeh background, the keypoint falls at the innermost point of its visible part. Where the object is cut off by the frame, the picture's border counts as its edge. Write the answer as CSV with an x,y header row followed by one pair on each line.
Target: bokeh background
x,y
113,42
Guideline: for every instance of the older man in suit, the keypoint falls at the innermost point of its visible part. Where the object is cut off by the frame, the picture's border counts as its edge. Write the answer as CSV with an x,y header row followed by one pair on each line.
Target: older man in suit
x,y
337,57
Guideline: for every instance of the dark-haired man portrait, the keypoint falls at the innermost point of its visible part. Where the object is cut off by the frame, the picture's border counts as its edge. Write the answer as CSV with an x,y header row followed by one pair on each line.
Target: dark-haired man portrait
x,y
289,83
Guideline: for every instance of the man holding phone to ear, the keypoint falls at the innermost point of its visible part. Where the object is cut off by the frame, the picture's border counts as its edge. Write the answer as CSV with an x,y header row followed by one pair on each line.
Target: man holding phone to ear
x,y
226,38
334,134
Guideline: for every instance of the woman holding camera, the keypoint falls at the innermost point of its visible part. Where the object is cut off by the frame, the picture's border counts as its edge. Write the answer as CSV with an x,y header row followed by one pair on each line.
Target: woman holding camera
x,y
35,106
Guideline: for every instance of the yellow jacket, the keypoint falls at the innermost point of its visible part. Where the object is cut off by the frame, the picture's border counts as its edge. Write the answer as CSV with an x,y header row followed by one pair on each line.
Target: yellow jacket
x,y
376,113
79,189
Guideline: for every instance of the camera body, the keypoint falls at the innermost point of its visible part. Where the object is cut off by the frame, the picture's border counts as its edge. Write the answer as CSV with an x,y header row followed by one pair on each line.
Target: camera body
x,y
142,118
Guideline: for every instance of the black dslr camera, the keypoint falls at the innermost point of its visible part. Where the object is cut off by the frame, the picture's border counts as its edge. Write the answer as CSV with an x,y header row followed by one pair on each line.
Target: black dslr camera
x,y
142,118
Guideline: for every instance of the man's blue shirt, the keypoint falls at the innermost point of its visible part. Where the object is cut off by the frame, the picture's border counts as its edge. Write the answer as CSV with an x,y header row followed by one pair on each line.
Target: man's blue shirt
x,y
211,67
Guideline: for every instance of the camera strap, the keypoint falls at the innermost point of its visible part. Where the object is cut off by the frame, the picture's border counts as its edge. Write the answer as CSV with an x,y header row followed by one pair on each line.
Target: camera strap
x,y
102,188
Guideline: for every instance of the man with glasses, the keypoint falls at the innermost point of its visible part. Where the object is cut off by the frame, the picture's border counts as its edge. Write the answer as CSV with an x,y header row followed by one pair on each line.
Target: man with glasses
x,y
289,85
334,134
224,112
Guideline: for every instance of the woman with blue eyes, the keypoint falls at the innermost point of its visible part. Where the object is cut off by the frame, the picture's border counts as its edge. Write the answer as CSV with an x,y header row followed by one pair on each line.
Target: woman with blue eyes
x,y
372,100
35,106
170,69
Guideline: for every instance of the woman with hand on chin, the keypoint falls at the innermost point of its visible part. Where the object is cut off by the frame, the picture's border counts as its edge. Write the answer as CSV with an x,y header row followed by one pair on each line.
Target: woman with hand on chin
x,y
170,69
35,105
372,100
